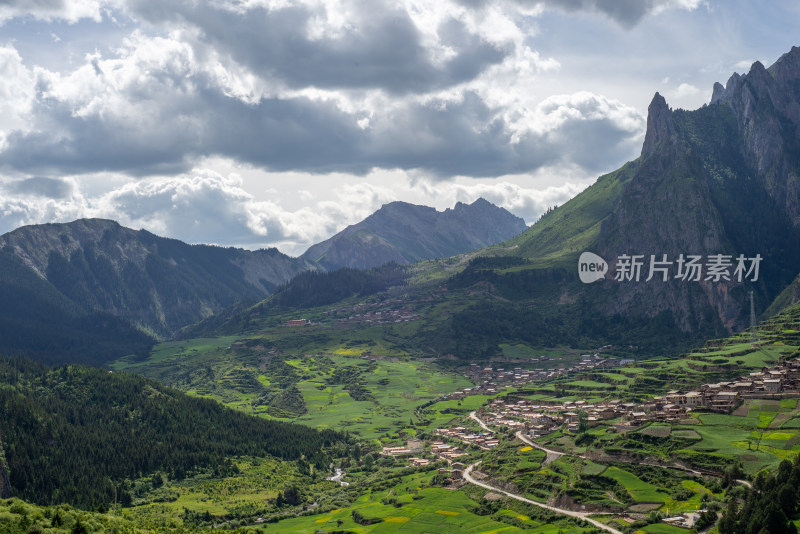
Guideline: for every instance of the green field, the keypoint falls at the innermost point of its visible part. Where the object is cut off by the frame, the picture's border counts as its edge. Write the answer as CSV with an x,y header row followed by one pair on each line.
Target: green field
x,y
354,379
249,374
407,505
433,510
640,491
399,387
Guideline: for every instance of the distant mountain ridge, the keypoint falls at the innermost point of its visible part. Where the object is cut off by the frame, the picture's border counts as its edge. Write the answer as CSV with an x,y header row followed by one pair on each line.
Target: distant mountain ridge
x,y
407,233
157,283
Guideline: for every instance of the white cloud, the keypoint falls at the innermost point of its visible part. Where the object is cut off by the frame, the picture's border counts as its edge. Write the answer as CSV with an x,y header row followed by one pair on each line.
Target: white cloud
x,y
49,10
21,204
17,90
210,206
743,66
685,90
160,103
526,202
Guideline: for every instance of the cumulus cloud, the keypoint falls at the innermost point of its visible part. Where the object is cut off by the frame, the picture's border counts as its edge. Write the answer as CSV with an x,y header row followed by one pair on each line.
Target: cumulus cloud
x,y
206,206
317,86
16,91
526,202
68,10
627,13
359,44
158,107
202,206
38,199
436,89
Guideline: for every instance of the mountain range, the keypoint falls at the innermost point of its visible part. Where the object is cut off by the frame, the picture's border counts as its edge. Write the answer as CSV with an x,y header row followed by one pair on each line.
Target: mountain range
x,y
719,183
90,290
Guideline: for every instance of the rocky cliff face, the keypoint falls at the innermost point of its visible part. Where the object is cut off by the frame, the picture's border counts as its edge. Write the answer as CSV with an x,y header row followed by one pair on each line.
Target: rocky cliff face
x,y
722,179
406,233
159,284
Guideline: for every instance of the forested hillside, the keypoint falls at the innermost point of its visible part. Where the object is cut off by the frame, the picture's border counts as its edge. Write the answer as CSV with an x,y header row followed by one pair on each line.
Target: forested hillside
x,y
35,318
71,433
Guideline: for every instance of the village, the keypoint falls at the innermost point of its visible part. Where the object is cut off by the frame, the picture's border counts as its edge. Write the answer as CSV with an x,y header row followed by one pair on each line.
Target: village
x,y
538,419
491,380
439,450
367,314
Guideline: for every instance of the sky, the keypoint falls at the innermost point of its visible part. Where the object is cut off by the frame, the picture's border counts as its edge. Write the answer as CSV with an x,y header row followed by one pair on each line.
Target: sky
x,y
276,123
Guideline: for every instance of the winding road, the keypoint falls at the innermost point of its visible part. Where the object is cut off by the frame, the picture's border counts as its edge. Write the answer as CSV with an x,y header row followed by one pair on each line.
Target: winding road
x,y
338,477
551,456
477,419
578,515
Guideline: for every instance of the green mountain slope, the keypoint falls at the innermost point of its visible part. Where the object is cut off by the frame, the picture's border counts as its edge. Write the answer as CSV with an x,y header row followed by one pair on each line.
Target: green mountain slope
x,y
563,233
719,180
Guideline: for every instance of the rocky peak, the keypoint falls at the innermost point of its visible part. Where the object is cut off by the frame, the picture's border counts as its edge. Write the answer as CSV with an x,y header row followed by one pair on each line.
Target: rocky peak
x,y
725,93
766,104
479,206
717,93
407,233
787,68
660,125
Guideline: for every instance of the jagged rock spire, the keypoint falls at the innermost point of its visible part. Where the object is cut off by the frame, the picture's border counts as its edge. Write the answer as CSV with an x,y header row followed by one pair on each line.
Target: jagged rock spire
x,y
660,125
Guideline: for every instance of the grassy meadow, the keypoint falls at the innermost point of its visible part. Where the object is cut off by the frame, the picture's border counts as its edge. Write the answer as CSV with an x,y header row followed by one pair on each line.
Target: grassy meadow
x,y
247,373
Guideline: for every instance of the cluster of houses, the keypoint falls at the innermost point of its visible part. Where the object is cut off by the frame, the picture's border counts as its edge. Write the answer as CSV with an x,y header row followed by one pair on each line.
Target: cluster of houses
x,y
492,380
439,449
540,419
412,446
484,440
402,315
385,312
783,378
685,520
454,473
445,451
537,419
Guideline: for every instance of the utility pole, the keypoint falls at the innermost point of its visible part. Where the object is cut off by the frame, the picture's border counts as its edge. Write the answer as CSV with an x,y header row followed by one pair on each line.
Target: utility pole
x,y
753,325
